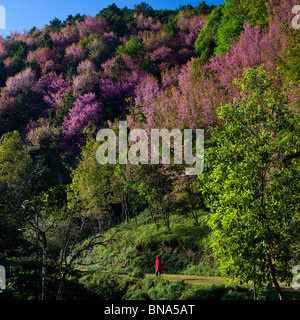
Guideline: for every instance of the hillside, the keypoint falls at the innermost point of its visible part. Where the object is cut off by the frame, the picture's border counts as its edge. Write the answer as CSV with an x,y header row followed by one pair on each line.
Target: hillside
x,y
184,248
142,132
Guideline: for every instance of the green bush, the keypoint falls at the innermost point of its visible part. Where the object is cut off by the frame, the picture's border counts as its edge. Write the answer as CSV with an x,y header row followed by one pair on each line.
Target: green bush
x,y
212,293
104,286
236,293
132,47
23,278
201,270
138,294
137,273
216,293
166,290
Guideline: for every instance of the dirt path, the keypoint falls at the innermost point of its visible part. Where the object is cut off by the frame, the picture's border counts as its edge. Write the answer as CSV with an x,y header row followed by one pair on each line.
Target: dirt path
x,y
193,279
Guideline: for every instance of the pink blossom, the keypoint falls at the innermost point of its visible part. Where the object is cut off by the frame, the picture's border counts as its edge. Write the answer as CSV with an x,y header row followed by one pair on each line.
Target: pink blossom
x,y
86,110
85,82
91,26
70,34
3,51
74,54
23,82
85,66
119,80
45,58
54,88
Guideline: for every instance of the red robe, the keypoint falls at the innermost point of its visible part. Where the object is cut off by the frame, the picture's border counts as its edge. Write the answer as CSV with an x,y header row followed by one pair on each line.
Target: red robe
x,y
158,264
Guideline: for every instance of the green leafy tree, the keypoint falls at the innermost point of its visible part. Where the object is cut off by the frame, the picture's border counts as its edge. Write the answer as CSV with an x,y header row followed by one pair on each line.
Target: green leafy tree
x,y
67,103
14,158
18,50
206,41
19,116
233,19
132,47
144,8
257,13
292,58
251,183
55,25
2,74
46,41
225,24
91,185
115,18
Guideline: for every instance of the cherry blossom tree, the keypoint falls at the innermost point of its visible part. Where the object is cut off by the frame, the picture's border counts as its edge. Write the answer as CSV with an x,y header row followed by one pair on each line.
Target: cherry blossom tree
x,y
118,82
74,54
3,51
23,82
91,26
85,82
54,87
45,59
86,110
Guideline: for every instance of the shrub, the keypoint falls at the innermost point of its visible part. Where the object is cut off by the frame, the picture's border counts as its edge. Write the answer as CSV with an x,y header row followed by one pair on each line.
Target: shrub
x,y
137,273
236,293
166,290
138,294
212,293
105,286
215,293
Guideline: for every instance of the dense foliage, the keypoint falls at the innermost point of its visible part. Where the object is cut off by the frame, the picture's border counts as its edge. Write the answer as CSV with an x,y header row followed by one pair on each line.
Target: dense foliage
x,y
232,70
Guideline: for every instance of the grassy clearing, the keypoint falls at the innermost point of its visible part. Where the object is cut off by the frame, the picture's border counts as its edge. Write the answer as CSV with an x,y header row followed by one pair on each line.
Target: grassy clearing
x,y
184,248
189,271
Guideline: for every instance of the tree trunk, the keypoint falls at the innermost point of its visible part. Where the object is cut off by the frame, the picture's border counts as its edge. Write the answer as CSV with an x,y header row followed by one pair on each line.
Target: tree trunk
x,y
44,274
152,212
254,292
275,282
60,293
123,199
195,216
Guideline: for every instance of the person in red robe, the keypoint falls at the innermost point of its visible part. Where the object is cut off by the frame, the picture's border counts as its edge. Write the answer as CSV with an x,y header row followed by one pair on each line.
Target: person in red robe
x,y
158,266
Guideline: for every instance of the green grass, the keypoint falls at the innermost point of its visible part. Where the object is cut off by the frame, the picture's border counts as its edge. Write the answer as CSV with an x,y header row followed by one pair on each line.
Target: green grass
x,y
184,247
189,271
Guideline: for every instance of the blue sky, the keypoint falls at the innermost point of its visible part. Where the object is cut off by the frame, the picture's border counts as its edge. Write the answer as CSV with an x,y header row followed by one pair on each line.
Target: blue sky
x,y
25,14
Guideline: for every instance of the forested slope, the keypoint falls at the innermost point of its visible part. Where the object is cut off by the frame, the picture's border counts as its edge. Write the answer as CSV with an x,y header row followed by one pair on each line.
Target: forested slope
x,y
232,70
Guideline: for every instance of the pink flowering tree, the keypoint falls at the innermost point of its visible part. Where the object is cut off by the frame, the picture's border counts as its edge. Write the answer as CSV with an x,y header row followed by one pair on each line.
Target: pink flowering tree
x,y
118,82
53,87
23,82
3,51
87,110
189,29
85,66
45,59
255,47
74,54
163,57
91,26
85,82
191,103
69,34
